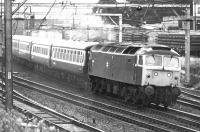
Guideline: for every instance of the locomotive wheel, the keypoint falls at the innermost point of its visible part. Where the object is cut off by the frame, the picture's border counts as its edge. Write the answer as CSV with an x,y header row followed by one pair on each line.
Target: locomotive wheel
x,y
165,105
109,90
146,101
168,98
102,87
93,85
127,95
135,97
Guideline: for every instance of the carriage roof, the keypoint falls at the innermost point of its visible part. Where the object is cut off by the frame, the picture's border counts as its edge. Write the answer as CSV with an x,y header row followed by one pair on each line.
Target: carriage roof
x,y
55,42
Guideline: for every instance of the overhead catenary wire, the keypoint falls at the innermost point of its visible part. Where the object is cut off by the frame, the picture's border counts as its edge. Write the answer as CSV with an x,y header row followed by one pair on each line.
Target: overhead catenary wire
x,y
44,19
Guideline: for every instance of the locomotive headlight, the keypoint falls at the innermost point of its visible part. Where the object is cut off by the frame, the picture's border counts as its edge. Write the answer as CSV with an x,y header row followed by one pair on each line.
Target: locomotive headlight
x,y
169,74
155,74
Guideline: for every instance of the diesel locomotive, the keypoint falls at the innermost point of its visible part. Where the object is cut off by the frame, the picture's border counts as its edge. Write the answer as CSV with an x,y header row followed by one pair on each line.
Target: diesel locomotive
x,y
137,72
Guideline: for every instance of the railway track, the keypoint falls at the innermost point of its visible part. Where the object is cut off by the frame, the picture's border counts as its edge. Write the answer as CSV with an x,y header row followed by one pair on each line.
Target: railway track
x,y
61,121
118,112
190,98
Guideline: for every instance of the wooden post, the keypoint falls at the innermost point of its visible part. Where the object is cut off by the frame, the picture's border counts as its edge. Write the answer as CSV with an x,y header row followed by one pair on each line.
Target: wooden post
x,y
8,45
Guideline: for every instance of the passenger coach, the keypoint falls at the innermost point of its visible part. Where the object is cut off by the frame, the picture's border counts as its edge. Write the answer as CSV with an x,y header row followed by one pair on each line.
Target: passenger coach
x,y
67,55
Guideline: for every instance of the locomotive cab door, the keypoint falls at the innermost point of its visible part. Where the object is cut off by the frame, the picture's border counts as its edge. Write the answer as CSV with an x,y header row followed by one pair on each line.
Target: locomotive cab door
x,y
134,67
138,69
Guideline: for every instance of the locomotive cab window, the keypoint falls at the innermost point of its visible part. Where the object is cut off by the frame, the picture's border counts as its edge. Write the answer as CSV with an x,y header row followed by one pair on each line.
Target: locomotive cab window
x,y
170,61
153,60
140,60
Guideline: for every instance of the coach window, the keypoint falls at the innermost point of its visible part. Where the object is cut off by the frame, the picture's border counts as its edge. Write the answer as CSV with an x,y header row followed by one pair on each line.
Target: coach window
x,y
82,57
74,56
63,54
39,50
57,53
67,54
70,55
43,51
46,51
27,48
54,52
78,57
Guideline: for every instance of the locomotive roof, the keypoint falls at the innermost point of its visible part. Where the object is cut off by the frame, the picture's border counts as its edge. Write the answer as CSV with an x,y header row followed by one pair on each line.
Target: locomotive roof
x,y
134,48
56,42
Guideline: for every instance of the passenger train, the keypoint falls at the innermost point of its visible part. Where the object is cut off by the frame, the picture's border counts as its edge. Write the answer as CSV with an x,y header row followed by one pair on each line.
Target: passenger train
x,y
136,72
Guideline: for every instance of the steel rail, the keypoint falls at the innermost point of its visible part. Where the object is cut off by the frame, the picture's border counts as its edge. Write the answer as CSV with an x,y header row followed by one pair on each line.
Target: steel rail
x,y
116,114
26,101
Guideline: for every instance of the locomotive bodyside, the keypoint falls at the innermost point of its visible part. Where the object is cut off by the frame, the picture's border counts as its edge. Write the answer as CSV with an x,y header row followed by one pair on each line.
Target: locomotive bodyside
x,y
114,65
